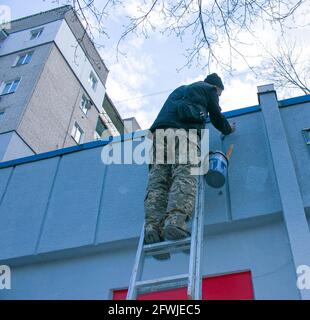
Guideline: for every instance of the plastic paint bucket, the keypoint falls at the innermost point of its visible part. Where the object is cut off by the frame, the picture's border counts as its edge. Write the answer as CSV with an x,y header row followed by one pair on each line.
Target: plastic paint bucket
x,y
218,163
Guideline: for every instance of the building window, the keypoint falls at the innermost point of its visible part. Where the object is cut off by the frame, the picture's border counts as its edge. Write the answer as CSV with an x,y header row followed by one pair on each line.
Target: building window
x,y
85,104
77,133
306,134
93,80
3,34
35,34
23,59
101,129
10,86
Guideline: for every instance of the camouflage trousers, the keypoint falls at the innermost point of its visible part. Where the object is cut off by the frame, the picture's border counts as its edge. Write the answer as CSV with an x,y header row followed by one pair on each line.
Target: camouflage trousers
x,y
171,187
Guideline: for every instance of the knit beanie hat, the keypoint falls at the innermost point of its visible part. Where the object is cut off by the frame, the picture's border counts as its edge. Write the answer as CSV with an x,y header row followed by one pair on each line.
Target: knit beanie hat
x,y
214,79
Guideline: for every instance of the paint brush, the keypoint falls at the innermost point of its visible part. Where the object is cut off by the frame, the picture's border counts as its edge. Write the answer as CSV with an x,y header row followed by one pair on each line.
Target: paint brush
x,y
229,151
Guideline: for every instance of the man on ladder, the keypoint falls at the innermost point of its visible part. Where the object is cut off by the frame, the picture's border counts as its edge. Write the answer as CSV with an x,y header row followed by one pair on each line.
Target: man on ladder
x,y
170,197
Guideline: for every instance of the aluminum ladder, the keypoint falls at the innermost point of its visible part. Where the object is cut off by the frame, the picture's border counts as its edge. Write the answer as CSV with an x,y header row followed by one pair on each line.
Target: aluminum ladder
x,y
195,243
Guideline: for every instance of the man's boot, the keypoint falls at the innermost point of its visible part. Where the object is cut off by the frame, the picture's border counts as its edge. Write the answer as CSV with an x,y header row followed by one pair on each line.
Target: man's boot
x,y
175,227
152,234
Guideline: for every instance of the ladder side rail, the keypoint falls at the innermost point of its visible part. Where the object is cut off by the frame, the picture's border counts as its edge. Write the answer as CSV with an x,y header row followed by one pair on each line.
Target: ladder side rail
x,y
193,250
199,246
137,269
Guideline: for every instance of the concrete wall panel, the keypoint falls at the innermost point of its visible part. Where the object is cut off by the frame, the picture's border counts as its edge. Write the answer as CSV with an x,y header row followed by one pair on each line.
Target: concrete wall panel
x,y
23,207
74,204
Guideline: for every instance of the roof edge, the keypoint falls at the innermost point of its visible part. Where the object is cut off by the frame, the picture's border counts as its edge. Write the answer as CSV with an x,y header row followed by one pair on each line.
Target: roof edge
x,y
69,7
141,133
296,100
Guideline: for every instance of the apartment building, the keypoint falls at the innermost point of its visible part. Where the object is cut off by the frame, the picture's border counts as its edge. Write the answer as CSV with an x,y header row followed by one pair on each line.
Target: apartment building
x,y
52,90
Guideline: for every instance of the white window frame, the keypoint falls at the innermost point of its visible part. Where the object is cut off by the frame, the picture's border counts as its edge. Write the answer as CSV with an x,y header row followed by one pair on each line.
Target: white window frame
x,y
92,79
76,128
96,136
104,124
4,83
26,55
84,107
37,32
306,134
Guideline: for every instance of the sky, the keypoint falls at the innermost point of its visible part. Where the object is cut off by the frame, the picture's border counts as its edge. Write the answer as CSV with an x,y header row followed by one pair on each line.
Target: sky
x,y
140,82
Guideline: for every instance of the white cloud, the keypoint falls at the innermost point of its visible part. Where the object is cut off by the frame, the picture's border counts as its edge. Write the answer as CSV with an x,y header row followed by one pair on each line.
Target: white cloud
x,y
136,75
239,93
194,79
128,78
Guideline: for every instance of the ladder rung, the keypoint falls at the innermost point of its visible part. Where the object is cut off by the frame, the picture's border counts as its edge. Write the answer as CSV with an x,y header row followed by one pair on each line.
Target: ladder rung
x,y
162,283
167,246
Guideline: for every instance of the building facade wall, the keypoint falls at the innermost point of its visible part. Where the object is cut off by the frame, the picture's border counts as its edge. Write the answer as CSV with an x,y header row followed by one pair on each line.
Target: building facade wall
x,y
114,115
56,17
38,19
262,249
21,39
253,173
14,104
295,120
79,63
54,107
12,147
4,142
47,102
81,216
88,47
59,32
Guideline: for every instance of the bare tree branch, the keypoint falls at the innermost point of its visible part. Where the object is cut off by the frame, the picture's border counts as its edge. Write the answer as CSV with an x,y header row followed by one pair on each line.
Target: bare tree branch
x,y
286,68
212,24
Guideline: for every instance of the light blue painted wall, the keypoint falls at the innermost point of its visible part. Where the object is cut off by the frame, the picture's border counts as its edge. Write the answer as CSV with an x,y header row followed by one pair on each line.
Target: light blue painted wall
x,y
74,229
23,206
4,142
295,119
15,148
88,199
4,179
263,249
250,176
